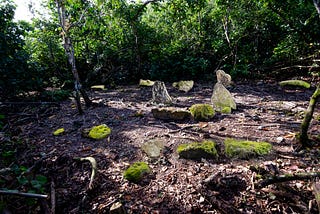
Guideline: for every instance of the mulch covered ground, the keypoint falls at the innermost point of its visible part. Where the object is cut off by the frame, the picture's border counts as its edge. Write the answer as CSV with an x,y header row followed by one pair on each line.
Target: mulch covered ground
x,y
265,112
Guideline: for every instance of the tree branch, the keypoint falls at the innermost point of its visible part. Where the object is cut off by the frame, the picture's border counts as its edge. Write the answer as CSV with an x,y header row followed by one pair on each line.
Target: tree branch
x,y
286,177
28,195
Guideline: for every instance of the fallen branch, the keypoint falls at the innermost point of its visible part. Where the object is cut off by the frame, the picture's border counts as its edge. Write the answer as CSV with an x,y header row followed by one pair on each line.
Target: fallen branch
x,y
22,194
286,177
53,198
93,163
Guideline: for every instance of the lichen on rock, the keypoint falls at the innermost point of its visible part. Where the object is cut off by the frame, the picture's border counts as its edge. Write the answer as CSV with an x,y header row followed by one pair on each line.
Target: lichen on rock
x,y
222,98
153,147
136,171
99,132
183,85
198,150
245,149
202,112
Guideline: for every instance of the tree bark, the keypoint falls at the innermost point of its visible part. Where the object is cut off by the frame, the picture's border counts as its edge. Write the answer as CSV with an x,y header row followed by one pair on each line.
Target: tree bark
x,y
303,136
317,5
68,47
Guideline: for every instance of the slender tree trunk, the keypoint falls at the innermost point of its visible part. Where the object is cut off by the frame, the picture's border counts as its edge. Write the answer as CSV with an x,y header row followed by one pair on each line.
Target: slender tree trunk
x,y
317,5
68,47
303,137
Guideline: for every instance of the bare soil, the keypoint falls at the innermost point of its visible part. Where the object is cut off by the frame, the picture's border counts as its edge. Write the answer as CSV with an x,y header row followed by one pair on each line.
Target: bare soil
x,y
265,112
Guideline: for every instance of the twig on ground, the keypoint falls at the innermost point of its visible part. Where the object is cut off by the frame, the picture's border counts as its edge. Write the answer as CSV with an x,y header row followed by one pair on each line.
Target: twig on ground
x,y
22,194
287,177
53,198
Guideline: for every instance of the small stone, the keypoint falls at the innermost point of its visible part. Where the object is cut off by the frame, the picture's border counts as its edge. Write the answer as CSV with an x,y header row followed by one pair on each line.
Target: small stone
x,y
117,208
183,85
280,139
146,83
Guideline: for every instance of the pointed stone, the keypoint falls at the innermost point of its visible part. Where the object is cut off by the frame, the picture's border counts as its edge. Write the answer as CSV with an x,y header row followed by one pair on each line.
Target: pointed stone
x,y
160,93
222,98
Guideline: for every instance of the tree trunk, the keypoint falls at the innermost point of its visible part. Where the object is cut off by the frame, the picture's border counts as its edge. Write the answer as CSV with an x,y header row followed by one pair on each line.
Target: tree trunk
x,y
303,137
68,47
317,5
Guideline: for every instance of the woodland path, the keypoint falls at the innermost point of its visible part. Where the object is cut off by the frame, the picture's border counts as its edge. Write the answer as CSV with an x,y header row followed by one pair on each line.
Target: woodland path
x,y
265,112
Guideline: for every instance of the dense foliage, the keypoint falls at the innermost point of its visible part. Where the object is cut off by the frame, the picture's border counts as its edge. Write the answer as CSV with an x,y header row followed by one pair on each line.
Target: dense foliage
x,y
119,41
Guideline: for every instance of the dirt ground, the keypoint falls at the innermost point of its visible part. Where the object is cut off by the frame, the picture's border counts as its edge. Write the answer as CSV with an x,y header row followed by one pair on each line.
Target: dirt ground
x,y
265,112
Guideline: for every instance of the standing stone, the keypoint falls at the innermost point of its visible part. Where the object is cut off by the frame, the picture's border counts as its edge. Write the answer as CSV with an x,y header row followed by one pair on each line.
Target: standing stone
x,y
222,98
160,93
223,78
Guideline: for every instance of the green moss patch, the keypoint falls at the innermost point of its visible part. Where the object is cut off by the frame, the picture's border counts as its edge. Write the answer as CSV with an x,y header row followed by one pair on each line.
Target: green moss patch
x,y
245,149
58,132
202,112
298,83
198,150
136,171
99,132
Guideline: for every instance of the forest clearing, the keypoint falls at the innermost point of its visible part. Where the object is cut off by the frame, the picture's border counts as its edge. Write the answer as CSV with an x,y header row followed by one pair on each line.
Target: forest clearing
x,y
160,106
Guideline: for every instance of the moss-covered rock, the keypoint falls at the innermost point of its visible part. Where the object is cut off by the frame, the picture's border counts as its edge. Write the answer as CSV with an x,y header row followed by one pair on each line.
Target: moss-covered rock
x,y
170,113
99,132
136,171
298,83
245,149
202,112
226,110
58,132
198,150
183,85
147,83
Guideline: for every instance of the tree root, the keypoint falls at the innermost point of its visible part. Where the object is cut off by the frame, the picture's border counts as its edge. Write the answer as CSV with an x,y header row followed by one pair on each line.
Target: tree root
x,y
94,169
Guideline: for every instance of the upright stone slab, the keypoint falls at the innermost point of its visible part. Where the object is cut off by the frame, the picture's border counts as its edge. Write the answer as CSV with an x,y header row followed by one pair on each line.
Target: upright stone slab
x,y
160,93
223,78
222,99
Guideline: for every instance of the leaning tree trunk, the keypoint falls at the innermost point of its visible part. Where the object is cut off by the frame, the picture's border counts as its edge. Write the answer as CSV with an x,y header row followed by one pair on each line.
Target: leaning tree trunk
x,y
68,47
303,137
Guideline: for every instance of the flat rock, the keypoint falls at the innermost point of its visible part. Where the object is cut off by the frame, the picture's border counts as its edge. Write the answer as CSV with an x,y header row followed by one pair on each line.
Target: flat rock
x,y
183,85
170,113
153,147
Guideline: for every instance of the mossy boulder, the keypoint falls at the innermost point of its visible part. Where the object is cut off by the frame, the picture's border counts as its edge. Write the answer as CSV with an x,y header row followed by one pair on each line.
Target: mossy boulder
x,y
198,150
136,171
226,110
245,149
170,113
183,85
58,132
202,112
99,132
297,83
146,83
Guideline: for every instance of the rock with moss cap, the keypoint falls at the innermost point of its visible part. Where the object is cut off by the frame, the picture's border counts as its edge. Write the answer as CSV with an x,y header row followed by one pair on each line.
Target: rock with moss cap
x,y
146,83
171,113
198,150
136,171
99,132
183,85
202,112
245,149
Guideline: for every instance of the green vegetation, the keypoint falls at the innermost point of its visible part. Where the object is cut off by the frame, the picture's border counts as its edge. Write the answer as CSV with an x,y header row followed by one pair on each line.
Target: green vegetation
x,y
245,149
163,40
202,112
99,132
226,110
58,132
299,83
198,150
136,171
